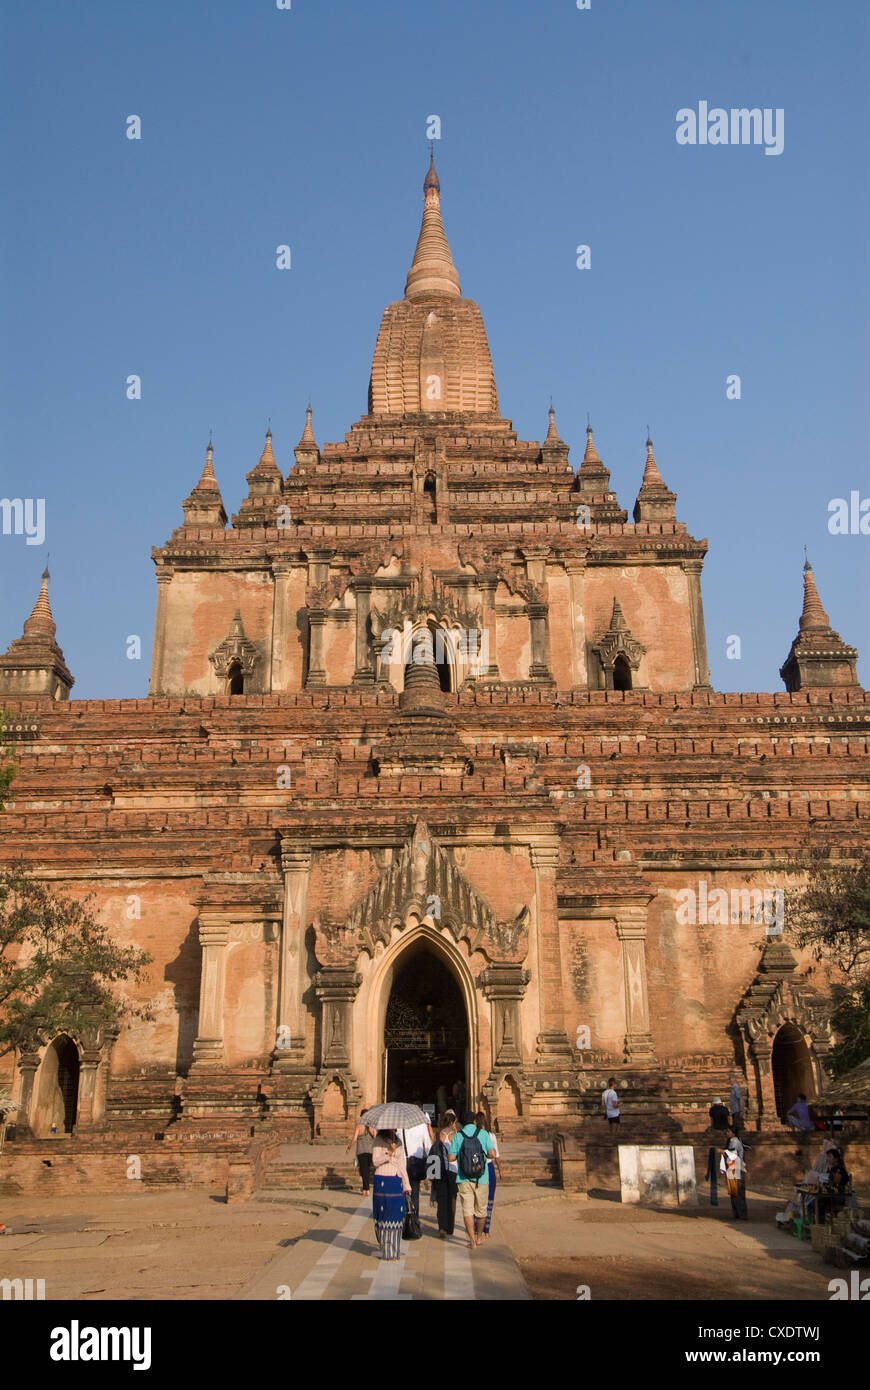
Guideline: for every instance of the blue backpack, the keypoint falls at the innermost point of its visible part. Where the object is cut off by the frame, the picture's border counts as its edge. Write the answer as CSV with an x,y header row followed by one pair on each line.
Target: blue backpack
x,y
472,1159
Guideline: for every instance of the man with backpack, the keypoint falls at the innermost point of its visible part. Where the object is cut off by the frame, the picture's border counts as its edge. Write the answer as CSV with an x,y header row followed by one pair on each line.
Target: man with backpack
x,y
470,1148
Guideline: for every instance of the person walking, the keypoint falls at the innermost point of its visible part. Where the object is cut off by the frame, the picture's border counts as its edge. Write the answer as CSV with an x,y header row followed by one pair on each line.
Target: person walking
x,y
719,1116
416,1142
734,1169
364,1139
391,1185
610,1102
493,1167
470,1147
444,1181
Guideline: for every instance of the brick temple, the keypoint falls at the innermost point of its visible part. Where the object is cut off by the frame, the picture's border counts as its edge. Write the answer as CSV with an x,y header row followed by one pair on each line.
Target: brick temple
x,y
429,769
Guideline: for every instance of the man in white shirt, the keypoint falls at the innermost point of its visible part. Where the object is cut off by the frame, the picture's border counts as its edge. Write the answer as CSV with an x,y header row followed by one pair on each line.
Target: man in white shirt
x,y
610,1102
416,1141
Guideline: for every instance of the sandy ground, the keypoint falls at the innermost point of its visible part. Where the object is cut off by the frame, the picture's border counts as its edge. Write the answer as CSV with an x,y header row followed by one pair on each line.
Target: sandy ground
x,y
148,1245
623,1252
187,1245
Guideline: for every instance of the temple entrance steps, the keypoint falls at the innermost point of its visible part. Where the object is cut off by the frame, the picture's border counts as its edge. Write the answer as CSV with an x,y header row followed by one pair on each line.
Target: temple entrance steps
x,y
329,1166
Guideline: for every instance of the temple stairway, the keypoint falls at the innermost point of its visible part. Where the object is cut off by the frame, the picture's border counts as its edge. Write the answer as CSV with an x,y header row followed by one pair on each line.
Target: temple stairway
x,y
329,1166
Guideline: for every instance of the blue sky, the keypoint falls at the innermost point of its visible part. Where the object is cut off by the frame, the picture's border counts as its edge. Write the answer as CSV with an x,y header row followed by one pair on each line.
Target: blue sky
x,y
307,127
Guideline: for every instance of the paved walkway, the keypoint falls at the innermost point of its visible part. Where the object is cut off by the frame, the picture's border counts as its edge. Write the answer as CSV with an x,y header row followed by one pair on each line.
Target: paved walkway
x,y
338,1258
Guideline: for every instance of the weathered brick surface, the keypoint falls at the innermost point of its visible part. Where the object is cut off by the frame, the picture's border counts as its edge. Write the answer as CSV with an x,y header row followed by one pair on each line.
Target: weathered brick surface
x,y
155,794
237,837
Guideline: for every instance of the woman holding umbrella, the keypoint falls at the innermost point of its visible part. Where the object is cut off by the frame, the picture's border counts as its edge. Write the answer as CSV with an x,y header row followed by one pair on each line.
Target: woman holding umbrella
x,y
391,1181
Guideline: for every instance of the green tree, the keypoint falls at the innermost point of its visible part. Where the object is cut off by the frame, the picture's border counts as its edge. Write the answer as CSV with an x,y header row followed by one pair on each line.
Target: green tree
x,y
851,1021
58,964
831,916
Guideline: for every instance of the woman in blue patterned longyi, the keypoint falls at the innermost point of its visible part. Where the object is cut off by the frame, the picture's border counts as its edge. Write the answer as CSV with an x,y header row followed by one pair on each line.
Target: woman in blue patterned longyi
x,y
391,1183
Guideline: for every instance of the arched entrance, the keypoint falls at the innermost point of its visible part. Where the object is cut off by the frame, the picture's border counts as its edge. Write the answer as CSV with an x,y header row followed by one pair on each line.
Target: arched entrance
x,y
425,1029
621,674
792,1068
58,1091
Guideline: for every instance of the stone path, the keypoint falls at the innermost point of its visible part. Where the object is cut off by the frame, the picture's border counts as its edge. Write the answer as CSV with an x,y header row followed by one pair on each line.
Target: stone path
x,y
337,1258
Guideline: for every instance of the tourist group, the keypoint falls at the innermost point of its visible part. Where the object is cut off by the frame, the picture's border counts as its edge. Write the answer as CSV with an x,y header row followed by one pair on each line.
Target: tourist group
x,y
397,1149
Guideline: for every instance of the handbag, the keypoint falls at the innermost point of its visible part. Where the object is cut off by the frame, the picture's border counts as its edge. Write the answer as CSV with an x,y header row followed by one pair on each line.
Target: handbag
x,y
411,1229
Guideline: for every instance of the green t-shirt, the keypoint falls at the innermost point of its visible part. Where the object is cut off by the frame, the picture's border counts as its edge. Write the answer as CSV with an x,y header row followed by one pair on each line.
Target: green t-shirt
x,y
456,1145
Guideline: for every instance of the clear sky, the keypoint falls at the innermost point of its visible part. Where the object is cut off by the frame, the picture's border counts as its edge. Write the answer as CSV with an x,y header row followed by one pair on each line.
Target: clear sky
x,y
263,126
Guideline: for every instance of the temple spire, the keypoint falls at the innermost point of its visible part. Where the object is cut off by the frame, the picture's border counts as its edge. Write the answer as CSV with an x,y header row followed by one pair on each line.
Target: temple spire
x,y
593,485
265,485
813,615
819,658
306,451
655,501
34,663
308,432
432,269
41,620
591,454
267,457
554,450
651,474
204,506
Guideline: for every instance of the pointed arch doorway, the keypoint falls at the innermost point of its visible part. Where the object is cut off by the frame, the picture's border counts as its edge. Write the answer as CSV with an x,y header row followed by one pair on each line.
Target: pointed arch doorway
x,y
792,1068
426,1034
58,1089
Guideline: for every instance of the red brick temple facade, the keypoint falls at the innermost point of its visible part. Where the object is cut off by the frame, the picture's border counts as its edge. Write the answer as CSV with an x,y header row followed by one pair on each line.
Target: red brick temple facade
x,y
431,785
